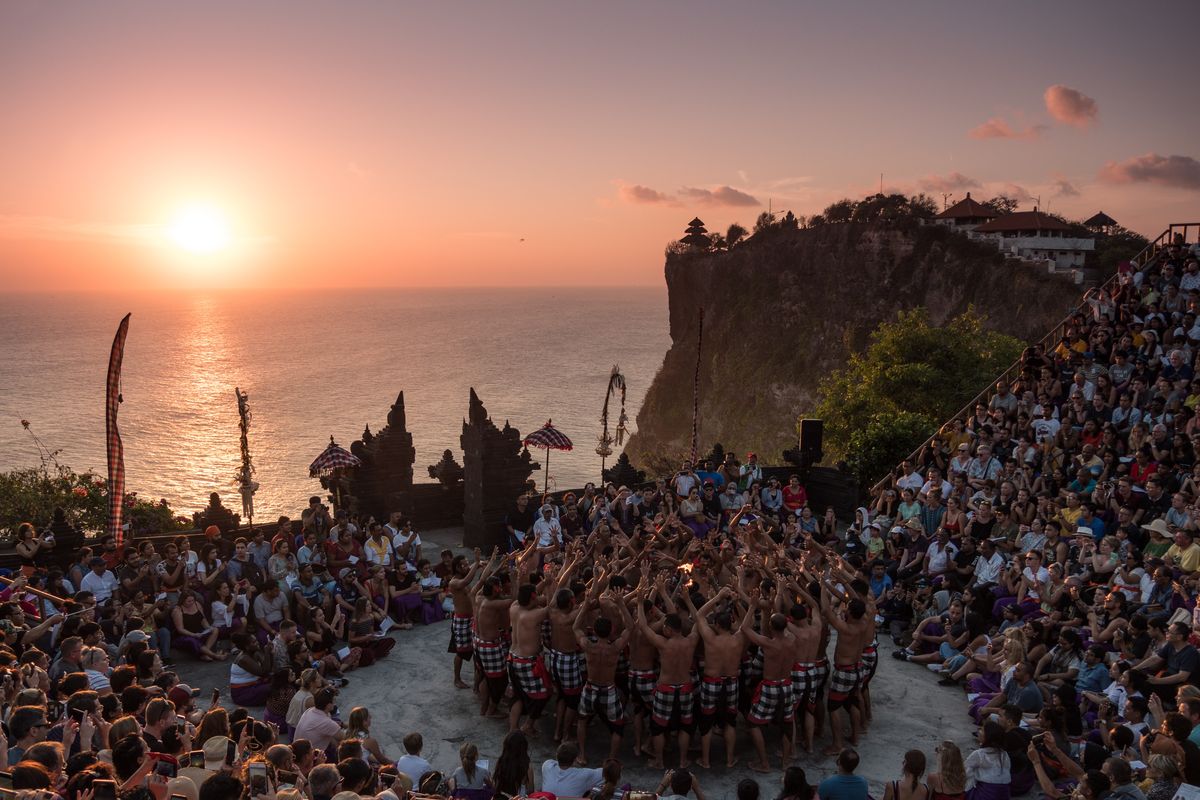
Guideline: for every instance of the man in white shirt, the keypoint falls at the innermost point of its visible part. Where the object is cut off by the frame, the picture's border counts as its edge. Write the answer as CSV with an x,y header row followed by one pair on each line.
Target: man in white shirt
x,y
100,581
935,481
562,778
546,529
988,565
940,554
683,482
909,478
405,541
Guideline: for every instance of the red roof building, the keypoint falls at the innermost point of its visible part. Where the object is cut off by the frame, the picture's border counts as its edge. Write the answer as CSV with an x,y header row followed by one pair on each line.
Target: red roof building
x,y
1037,236
1032,223
966,213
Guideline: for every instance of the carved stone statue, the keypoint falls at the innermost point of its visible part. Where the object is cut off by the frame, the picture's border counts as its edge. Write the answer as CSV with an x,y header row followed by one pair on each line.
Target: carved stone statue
x,y
447,471
215,513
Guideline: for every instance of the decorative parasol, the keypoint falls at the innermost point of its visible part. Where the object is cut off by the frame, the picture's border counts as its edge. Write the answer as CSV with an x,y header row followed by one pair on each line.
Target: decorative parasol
x,y
331,462
548,438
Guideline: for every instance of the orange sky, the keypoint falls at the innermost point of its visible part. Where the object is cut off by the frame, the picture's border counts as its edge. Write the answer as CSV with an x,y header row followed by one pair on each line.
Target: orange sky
x,y
374,144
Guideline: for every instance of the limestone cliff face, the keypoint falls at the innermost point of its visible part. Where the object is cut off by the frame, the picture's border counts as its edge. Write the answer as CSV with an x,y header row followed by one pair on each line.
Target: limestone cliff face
x,y
786,307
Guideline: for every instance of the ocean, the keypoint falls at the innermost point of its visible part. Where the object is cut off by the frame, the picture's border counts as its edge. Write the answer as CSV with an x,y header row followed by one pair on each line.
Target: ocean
x,y
315,365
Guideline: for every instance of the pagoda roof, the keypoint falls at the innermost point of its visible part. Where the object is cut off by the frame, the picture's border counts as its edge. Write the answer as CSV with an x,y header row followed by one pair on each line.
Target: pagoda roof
x,y
967,208
697,222
1100,220
1023,221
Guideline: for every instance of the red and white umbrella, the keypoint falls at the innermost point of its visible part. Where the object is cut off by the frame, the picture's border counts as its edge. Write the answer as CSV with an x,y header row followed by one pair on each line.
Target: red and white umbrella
x,y
334,458
548,438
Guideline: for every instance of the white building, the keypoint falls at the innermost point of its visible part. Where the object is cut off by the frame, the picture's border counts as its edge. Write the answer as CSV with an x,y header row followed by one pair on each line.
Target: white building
x,y
1036,236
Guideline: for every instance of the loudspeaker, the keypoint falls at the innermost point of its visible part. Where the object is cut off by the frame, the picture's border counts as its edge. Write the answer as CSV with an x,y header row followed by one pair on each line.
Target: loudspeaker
x,y
811,431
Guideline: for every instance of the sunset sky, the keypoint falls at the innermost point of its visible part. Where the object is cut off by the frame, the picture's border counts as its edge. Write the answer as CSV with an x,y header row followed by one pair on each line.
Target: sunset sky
x,y
376,143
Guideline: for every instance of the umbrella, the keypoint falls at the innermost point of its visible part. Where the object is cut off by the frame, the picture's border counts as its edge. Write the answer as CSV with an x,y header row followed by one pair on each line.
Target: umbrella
x,y
548,438
333,460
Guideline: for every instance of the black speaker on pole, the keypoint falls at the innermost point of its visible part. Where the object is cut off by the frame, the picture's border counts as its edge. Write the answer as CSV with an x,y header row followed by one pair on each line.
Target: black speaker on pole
x,y
811,431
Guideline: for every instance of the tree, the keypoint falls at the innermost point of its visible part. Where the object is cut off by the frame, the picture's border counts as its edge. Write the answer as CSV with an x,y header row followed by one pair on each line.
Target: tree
x,y
911,378
841,211
1003,205
735,234
716,241
765,221
1119,245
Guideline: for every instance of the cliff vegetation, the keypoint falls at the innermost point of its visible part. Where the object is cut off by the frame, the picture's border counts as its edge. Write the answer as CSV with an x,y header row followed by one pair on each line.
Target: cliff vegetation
x,y
789,305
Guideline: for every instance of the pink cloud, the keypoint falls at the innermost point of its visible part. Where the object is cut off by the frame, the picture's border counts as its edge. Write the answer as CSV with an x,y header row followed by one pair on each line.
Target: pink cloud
x,y
720,196
643,195
1177,172
1064,188
998,128
1071,106
953,182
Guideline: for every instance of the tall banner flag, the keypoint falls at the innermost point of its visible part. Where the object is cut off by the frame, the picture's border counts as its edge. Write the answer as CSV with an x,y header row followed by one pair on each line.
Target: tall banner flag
x,y
116,455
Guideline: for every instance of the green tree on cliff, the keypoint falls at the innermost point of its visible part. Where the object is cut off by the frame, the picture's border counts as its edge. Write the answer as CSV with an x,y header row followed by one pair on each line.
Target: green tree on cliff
x,y
912,377
735,234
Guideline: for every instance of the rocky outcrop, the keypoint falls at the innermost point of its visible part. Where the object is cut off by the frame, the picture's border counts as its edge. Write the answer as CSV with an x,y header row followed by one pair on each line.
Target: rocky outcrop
x,y
784,308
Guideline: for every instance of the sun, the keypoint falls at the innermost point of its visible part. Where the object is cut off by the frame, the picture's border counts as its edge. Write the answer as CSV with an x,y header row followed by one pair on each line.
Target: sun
x,y
200,229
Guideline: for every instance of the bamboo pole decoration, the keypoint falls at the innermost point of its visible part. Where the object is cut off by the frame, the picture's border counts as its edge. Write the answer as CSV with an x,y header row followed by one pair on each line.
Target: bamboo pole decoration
x,y
35,592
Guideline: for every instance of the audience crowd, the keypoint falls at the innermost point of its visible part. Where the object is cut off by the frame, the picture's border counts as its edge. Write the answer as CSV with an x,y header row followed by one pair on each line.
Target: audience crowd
x,y
1039,554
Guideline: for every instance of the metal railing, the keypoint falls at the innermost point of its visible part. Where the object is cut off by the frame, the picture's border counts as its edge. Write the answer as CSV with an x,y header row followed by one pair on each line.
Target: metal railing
x,y
1176,233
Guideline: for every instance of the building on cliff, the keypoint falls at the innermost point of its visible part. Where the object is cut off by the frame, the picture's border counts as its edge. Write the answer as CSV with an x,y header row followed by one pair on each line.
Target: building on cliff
x,y
1037,236
966,215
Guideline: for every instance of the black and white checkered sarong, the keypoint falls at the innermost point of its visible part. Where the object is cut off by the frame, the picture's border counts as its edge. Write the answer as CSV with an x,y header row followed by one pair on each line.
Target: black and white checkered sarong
x,y
460,636
566,671
673,701
603,701
492,657
772,700
528,676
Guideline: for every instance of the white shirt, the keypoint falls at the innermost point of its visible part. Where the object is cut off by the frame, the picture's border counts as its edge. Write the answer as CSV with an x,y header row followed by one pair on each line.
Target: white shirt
x,y
569,782
987,570
414,767
987,766
925,487
910,481
1037,582
548,531
939,557
102,586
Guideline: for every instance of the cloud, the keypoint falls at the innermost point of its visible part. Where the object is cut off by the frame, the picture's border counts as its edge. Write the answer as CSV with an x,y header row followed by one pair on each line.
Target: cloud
x,y
998,128
1071,106
1016,192
720,196
953,182
1177,172
73,230
1063,187
637,194
644,195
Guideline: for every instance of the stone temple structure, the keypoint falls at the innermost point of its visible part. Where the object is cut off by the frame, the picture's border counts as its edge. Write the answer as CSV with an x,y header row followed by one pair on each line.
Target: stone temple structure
x,y
384,481
496,469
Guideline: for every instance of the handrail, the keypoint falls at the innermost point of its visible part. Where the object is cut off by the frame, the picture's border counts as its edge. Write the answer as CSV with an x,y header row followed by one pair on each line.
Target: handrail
x,y
1138,261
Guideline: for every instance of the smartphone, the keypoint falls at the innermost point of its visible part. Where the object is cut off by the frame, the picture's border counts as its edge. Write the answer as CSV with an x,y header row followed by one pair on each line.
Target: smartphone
x,y
257,771
196,759
216,696
168,769
286,778
79,714
6,780
231,753
179,797
54,710
104,789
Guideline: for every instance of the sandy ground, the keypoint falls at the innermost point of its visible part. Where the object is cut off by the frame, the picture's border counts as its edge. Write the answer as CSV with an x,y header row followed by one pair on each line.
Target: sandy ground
x,y
412,690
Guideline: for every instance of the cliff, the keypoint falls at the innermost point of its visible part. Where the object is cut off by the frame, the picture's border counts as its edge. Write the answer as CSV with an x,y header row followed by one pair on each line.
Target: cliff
x,y
784,308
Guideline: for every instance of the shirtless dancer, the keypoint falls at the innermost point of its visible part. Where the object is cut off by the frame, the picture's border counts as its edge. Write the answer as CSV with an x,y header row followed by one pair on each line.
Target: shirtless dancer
x,y
600,696
674,698
526,670
464,613
565,661
723,648
847,669
773,699
491,642
643,674
806,627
